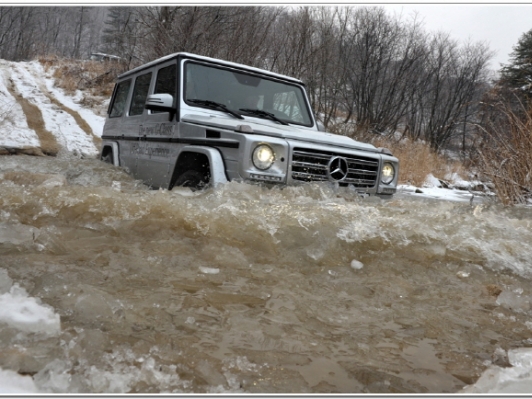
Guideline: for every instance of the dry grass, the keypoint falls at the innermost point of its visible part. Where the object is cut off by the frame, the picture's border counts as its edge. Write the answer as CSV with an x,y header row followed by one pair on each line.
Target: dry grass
x,y
506,155
417,161
95,79
49,144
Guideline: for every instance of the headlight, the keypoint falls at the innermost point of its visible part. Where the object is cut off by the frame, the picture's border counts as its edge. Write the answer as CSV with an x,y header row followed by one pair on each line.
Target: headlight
x,y
388,173
263,157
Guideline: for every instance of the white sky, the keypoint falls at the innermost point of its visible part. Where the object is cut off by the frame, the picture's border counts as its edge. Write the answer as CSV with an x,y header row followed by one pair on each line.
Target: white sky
x,y
498,25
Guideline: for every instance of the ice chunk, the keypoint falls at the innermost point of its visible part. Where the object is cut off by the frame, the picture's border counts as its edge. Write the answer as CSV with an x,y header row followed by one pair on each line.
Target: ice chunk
x,y
514,301
356,265
27,314
93,306
16,237
516,379
209,270
12,382
54,181
521,357
54,377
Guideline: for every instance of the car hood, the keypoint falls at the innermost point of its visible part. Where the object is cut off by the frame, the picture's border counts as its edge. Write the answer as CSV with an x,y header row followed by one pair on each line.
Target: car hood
x,y
267,128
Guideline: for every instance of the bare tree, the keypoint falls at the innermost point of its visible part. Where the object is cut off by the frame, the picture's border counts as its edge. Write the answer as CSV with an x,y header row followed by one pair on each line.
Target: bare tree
x,y
120,35
363,68
453,78
382,59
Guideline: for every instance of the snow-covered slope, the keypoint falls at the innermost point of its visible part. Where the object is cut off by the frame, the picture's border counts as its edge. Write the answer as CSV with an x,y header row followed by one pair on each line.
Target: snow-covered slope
x,y
34,110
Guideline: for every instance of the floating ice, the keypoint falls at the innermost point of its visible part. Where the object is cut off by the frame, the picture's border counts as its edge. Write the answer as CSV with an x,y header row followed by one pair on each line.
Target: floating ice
x,y
54,181
54,377
209,270
27,314
12,382
355,264
520,357
16,237
514,301
516,379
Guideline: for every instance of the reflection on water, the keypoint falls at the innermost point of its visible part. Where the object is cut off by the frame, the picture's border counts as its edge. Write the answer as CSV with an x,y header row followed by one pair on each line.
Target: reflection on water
x,y
249,289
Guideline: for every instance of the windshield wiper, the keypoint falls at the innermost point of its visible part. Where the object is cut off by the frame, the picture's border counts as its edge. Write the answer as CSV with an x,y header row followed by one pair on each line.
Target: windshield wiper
x,y
264,114
215,105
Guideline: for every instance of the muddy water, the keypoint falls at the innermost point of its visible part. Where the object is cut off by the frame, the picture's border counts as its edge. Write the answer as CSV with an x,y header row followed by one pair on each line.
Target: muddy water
x,y
249,289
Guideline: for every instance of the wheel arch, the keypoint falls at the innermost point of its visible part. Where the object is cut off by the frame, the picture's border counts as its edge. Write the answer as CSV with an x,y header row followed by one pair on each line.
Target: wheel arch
x,y
110,147
206,160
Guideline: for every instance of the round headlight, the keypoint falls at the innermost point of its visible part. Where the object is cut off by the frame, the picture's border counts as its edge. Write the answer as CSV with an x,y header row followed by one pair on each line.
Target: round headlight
x,y
388,173
263,157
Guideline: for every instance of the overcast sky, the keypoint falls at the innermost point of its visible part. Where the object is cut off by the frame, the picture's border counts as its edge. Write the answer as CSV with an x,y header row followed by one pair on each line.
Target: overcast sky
x,y
498,25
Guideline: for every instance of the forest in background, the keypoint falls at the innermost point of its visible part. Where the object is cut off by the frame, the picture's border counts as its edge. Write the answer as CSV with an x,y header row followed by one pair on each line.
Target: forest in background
x,y
370,75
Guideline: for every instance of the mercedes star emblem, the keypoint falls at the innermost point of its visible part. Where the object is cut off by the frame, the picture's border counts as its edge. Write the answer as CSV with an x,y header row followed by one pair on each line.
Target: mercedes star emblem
x,y
337,168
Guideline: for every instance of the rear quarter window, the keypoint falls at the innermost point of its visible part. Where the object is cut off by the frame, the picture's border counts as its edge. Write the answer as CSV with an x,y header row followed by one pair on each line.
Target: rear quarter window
x,y
140,92
120,98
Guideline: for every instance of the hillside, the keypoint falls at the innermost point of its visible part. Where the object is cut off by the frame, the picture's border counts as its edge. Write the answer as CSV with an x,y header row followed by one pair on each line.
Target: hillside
x,y
37,118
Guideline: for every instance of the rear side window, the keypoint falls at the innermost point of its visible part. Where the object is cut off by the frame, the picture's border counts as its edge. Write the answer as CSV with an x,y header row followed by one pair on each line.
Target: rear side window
x,y
166,80
140,92
119,101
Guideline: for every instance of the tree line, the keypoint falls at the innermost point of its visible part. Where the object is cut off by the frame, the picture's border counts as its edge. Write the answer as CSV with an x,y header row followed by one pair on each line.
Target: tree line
x,y
367,72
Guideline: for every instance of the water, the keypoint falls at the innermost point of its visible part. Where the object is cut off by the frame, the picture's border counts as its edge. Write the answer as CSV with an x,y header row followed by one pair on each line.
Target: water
x,y
246,289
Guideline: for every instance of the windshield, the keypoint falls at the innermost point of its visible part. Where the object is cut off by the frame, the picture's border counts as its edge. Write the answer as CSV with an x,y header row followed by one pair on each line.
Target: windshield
x,y
245,94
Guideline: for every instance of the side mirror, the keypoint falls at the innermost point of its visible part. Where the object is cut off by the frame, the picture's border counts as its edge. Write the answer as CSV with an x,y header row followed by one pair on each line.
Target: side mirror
x,y
161,102
321,127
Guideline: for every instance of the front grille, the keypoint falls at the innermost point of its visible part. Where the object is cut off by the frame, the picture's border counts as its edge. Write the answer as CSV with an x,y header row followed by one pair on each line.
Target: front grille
x,y
312,165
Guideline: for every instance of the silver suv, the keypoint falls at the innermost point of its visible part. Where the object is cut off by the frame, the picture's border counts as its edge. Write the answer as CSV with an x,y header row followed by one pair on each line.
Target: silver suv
x,y
188,120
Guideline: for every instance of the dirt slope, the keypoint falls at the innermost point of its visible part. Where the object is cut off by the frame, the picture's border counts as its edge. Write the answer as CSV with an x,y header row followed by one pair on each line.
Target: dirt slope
x,y
57,125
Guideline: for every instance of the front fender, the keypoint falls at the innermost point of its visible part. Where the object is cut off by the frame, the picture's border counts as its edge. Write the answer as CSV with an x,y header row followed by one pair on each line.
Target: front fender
x,y
216,162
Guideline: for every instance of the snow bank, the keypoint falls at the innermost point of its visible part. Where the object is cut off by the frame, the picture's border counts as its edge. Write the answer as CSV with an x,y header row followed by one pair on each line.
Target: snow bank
x,y
14,131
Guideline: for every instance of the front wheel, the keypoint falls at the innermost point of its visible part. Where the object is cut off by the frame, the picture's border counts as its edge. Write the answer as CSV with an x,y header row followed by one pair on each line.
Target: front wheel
x,y
193,179
108,157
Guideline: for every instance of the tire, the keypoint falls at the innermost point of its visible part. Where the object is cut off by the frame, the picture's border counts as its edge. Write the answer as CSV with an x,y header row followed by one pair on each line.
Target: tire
x,y
193,179
108,157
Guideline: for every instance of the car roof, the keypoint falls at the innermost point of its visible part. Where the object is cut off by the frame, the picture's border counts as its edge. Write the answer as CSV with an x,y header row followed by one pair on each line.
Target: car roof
x,y
210,60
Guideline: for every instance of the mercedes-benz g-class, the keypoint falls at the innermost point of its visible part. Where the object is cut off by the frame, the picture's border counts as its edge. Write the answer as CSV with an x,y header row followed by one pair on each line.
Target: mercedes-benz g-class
x,y
189,120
